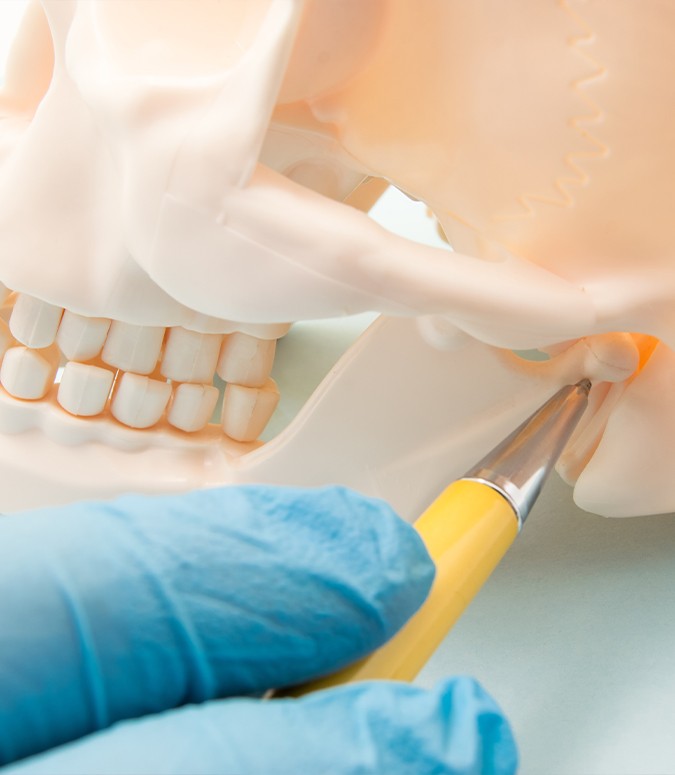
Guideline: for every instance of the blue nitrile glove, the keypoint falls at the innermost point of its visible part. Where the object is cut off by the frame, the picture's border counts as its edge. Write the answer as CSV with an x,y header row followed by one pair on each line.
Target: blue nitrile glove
x,y
122,623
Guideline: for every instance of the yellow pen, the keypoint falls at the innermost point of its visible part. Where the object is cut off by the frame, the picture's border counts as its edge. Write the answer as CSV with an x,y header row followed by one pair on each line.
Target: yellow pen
x,y
467,530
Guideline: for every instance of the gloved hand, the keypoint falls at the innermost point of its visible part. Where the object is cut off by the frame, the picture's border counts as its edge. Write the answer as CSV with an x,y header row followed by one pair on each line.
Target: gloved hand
x,y
123,623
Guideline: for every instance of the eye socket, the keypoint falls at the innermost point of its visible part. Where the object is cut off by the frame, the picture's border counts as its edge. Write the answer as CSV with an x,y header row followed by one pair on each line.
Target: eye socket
x,y
177,38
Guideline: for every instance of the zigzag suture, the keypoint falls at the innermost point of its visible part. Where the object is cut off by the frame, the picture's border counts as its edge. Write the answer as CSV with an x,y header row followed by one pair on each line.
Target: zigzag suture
x,y
574,160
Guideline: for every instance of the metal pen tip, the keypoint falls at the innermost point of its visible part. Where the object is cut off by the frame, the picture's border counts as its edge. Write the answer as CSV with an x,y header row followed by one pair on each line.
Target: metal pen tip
x,y
519,465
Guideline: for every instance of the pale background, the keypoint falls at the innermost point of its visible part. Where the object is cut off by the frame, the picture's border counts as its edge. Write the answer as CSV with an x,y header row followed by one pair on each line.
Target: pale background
x,y
574,634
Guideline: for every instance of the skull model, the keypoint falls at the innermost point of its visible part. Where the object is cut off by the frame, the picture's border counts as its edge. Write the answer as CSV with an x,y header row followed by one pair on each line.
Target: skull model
x,y
179,181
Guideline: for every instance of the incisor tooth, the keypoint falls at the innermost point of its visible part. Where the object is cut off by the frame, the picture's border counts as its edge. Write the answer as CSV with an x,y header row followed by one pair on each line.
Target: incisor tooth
x,y
246,360
192,406
132,348
80,338
34,322
139,401
247,410
84,389
27,373
190,356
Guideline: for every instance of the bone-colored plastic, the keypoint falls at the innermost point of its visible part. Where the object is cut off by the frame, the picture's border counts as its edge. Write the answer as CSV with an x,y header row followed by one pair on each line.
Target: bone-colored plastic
x,y
34,322
246,360
189,356
80,338
84,389
27,373
192,406
132,348
247,410
209,157
139,401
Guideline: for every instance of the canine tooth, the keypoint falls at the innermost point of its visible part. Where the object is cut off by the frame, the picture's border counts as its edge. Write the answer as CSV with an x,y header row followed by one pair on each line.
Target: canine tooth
x,y
192,406
34,322
139,401
27,373
84,389
190,356
132,348
246,360
247,410
80,338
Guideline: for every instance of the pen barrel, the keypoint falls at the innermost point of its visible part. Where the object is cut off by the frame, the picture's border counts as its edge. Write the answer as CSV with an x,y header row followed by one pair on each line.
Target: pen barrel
x,y
467,530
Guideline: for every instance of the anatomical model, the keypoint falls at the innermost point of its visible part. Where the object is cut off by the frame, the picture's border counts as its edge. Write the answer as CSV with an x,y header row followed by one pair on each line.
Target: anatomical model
x,y
180,181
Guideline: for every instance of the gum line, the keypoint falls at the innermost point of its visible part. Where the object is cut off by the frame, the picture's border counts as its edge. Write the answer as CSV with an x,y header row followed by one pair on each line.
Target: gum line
x,y
137,375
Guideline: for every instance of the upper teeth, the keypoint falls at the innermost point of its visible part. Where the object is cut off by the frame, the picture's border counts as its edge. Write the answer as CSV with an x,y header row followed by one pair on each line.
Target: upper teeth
x,y
133,348
246,360
80,338
143,373
34,322
190,356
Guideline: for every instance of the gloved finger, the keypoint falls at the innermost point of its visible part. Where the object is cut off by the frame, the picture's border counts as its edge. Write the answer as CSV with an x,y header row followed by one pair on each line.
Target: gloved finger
x,y
376,727
119,609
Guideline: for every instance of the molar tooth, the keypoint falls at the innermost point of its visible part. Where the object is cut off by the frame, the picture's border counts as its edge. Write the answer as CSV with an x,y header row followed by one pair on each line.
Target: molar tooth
x,y
84,389
27,373
192,406
80,338
190,356
132,348
246,360
34,322
247,410
139,401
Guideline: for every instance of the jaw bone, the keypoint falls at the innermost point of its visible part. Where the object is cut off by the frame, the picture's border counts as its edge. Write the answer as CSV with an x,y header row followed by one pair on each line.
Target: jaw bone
x,y
184,165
